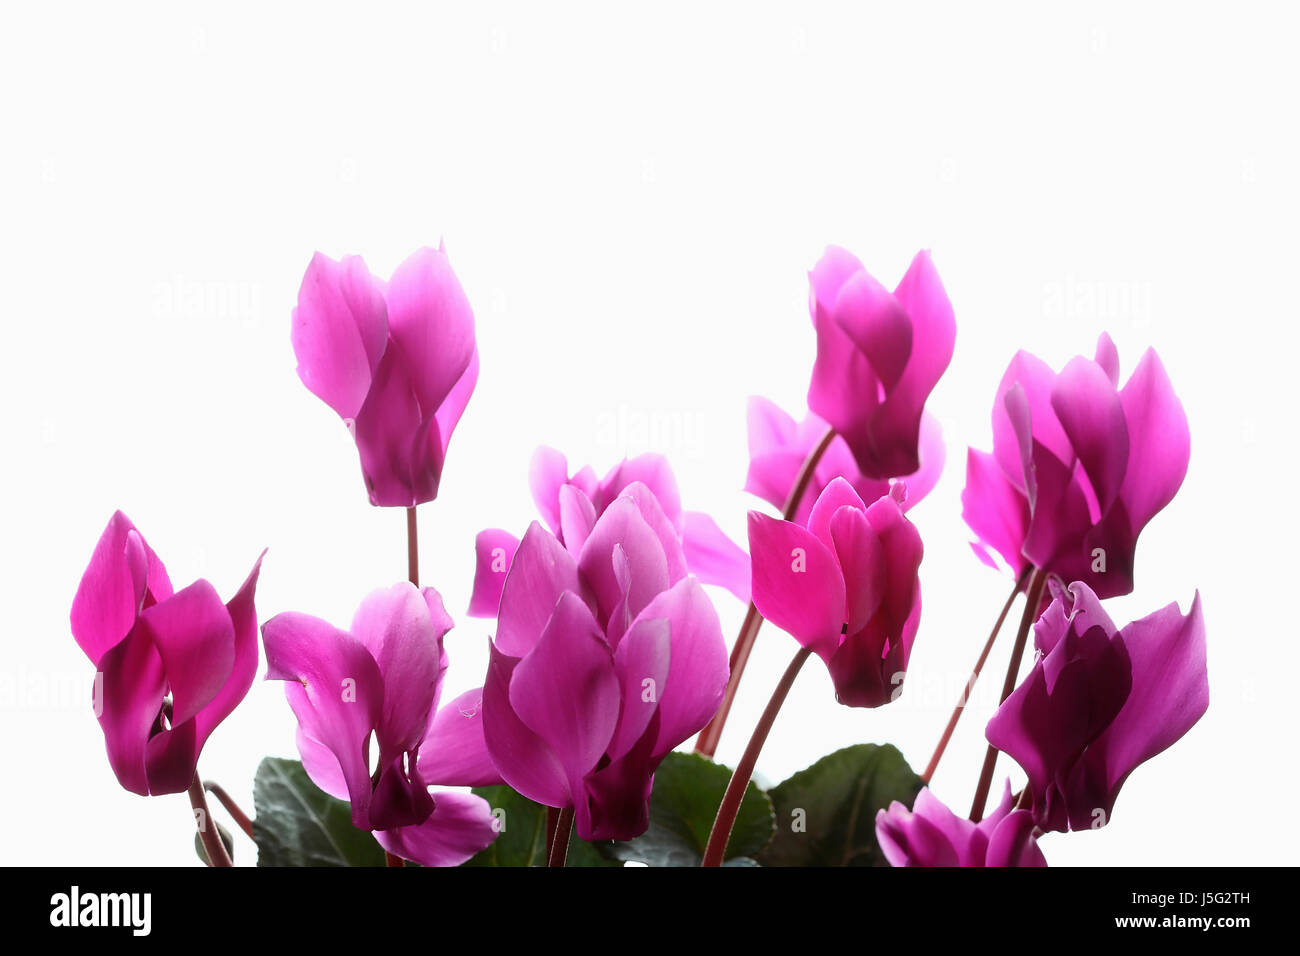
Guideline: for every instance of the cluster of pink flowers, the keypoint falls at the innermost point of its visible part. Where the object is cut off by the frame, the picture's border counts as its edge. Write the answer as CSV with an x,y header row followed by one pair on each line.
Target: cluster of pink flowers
x,y
607,652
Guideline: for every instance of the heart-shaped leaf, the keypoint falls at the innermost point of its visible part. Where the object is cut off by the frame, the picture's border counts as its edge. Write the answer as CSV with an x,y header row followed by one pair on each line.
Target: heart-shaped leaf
x,y
298,824
826,814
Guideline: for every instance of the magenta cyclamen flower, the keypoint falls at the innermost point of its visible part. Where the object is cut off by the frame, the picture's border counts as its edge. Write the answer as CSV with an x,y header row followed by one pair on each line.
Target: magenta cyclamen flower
x,y
171,665
384,677
1099,702
397,361
845,587
932,835
879,355
607,656
1079,466
710,555
779,446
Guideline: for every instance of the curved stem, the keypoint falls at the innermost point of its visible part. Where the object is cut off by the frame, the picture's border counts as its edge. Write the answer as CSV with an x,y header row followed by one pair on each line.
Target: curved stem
x,y
236,814
1036,584
209,835
730,806
392,859
552,821
412,548
974,676
707,742
560,841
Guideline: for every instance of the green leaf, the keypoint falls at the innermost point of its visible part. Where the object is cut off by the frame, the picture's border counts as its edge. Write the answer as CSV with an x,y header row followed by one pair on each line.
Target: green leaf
x,y
298,824
226,839
687,791
826,814
522,838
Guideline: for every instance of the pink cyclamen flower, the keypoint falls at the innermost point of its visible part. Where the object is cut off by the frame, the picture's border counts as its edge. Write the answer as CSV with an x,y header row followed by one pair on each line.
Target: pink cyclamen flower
x,y
396,360
710,555
171,665
879,355
779,446
1079,466
932,835
1099,702
383,677
607,656
845,587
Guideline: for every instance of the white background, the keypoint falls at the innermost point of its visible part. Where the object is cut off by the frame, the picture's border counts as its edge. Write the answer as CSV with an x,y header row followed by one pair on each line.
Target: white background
x,y
632,199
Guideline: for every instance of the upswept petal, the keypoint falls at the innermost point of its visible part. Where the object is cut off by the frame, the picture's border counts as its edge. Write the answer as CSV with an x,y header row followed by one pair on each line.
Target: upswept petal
x,y
878,325
336,692
797,582
340,331
541,571
402,627
712,556
623,524
1159,441
494,550
566,690
432,323
401,450
698,668
454,753
526,761
1089,410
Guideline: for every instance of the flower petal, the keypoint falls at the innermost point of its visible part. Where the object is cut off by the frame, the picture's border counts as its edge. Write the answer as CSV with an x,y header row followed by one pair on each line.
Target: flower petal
x,y
526,761
1159,441
624,525
432,323
131,697
1089,410
401,450
336,692
698,667
547,473
243,616
566,691
454,753
403,627
713,557
642,663
995,509
121,572
878,325
460,826
650,470
1170,692
541,571
340,331
838,494
797,582
494,550
196,640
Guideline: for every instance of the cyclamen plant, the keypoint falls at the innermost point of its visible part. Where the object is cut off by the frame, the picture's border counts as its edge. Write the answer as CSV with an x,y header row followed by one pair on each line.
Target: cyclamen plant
x,y
607,652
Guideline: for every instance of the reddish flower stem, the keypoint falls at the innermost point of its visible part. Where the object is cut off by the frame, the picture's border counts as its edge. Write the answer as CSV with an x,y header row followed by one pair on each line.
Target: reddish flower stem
x,y
209,835
552,821
236,814
559,851
707,742
730,806
413,574
412,548
1036,584
974,676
